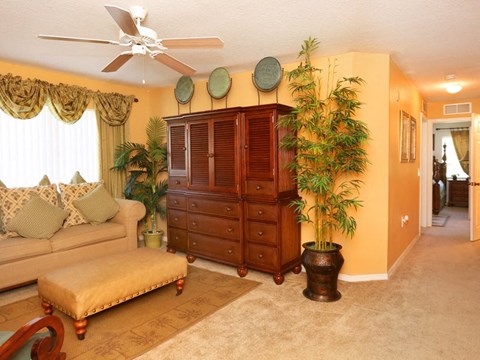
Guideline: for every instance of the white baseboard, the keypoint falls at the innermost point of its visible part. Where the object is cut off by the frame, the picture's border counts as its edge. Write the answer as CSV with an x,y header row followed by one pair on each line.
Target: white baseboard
x,y
358,278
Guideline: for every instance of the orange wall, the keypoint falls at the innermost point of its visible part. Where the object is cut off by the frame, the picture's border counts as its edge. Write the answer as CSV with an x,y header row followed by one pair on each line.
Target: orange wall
x,y
435,109
378,241
366,253
404,182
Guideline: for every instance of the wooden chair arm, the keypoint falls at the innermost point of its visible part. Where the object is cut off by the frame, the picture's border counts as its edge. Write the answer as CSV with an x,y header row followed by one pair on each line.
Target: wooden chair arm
x,y
45,348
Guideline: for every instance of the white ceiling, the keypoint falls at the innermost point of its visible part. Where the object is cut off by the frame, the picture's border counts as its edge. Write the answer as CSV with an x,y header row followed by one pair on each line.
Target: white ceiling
x,y
427,39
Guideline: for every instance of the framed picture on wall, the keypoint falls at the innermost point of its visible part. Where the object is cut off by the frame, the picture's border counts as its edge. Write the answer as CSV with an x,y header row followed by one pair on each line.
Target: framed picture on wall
x,y
413,139
405,130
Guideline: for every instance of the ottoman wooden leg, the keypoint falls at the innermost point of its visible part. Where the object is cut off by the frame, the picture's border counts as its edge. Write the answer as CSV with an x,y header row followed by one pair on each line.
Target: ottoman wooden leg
x,y
179,284
80,328
47,308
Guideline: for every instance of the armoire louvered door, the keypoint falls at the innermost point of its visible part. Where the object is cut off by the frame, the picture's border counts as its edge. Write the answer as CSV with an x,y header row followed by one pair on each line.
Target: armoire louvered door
x,y
213,160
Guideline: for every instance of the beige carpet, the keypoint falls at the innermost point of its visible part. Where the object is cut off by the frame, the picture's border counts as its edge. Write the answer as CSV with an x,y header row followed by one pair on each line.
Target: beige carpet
x,y
429,309
134,327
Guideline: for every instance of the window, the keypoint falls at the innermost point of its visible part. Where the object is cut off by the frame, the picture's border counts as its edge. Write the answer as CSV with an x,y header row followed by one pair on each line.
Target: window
x,y
453,165
44,145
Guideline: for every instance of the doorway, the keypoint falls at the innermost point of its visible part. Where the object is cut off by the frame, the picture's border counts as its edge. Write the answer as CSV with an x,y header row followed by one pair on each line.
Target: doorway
x,y
453,190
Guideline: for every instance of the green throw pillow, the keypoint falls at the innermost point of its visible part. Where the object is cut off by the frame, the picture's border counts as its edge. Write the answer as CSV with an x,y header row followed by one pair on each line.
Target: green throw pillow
x,y
77,178
97,206
44,181
37,219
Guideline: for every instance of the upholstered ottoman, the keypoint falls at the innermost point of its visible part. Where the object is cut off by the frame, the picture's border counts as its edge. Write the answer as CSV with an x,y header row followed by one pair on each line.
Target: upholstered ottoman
x,y
90,287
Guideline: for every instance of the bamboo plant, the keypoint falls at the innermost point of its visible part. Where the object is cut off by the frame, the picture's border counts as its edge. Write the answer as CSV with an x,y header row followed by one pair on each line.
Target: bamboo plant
x,y
145,164
329,147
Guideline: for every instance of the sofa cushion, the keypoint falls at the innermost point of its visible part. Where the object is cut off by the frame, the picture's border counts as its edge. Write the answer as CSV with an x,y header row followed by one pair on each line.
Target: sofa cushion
x,y
71,192
38,219
17,248
12,201
97,206
85,234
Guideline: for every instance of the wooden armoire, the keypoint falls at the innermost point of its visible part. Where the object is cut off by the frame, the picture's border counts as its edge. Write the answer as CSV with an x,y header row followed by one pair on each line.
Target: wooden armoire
x,y
229,190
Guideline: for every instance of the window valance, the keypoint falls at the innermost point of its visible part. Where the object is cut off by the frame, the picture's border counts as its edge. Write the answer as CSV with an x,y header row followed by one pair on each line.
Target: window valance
x,y
25,98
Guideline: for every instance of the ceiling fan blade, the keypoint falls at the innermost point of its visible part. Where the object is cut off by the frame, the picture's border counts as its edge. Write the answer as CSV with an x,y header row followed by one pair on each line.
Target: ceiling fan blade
x,y
123,19
118,62
193,42
68,38
175,64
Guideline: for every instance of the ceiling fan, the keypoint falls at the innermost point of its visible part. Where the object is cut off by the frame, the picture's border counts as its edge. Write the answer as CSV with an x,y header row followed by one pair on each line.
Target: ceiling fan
x,y
143,40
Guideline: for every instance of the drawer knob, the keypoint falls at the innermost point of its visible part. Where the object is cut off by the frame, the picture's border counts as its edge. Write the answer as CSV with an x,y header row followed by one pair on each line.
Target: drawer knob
x,y
194,223
260,233
184,148
175,202
228,208
260,212
230,251
194,243
230,230
176,238
260,256
177,182
194,205
175,219
258,187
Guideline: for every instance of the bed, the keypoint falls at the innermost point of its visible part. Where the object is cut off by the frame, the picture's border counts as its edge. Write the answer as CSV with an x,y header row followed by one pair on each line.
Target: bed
x,y
439,187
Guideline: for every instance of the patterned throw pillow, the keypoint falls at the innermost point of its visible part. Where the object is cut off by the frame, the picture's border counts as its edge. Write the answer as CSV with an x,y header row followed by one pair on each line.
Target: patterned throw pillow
x,y
70,192
12,201
97,206
38,219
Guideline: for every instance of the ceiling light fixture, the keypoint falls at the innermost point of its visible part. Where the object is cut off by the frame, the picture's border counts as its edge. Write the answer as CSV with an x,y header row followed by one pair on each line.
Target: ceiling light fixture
x,y
452,87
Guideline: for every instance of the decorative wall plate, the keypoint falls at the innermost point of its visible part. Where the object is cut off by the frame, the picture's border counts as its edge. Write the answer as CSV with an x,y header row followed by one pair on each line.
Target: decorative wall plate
x,y
219,83
267,74
184,90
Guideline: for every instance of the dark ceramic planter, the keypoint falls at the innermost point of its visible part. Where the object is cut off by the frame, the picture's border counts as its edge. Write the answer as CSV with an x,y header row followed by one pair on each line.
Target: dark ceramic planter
x,y
322,267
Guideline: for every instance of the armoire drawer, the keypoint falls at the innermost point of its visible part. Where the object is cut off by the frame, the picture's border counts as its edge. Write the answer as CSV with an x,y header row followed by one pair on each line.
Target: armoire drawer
x,y
258,187
225,250
263,212
177,182
177,218
265,257
177,239
265,233
214,207
211,225
176,201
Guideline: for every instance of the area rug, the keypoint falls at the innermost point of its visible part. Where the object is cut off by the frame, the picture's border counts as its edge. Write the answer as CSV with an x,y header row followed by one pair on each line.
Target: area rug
x,y
439,220
136,326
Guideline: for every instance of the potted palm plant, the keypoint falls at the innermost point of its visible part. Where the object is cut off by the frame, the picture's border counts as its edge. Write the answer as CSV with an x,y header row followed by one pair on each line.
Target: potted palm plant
x,y
146,164
329,154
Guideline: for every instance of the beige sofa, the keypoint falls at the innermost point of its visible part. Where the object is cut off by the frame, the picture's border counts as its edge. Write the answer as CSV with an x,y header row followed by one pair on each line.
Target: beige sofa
x,y
23,260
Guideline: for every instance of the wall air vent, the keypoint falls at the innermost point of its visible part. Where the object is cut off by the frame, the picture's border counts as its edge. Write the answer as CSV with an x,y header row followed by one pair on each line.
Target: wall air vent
x,y
453,109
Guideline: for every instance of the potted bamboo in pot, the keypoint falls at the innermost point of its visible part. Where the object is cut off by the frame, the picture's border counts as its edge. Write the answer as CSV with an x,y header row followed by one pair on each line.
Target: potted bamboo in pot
x,y
145,183
329,154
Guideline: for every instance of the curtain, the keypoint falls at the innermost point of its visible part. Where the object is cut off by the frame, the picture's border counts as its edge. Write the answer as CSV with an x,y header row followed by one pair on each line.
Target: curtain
x,y
113,111
24,99
461,143
68,103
